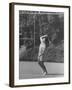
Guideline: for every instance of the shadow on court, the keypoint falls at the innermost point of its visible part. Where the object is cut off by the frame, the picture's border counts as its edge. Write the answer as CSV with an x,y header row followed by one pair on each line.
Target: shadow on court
x,y
29,70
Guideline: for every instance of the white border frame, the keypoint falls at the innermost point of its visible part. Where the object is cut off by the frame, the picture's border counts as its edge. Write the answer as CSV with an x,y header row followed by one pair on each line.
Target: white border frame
x,y
16,45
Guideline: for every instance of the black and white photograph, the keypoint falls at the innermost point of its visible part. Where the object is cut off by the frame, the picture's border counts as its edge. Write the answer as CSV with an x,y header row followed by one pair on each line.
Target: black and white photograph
x,y
40,44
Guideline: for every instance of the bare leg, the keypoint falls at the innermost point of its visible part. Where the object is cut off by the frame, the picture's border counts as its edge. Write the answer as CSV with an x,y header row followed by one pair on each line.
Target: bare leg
x,y
41,63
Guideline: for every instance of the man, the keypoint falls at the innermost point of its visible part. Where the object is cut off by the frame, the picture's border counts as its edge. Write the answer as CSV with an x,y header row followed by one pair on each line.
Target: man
x,y
42,47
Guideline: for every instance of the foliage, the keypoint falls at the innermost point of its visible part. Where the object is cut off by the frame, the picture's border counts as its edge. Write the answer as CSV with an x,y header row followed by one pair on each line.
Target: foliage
x,y
32,25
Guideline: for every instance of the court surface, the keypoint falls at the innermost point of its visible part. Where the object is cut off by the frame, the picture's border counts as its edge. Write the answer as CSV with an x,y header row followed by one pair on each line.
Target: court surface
x,y
29,70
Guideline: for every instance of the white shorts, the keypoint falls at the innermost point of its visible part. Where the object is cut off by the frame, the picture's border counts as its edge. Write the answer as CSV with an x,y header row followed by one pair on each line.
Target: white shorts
x,y
40,58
